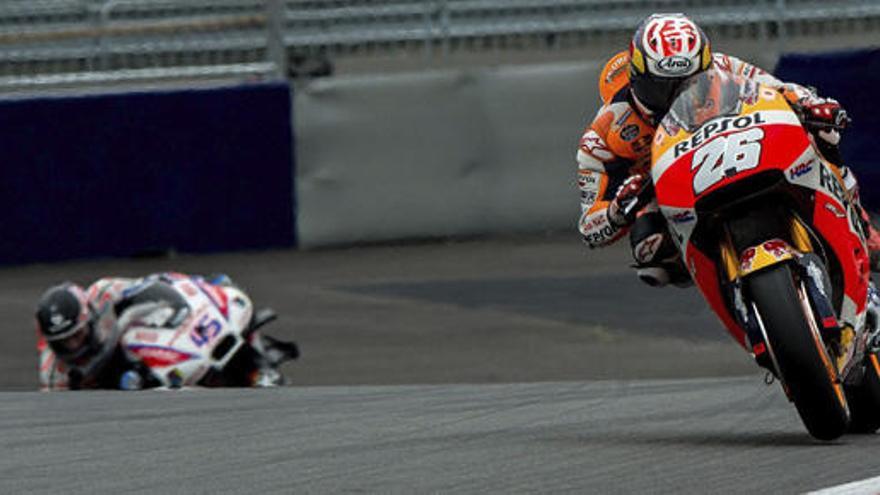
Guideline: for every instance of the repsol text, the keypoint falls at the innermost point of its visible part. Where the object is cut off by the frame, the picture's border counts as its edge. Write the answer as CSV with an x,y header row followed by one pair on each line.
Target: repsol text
x,y
716,127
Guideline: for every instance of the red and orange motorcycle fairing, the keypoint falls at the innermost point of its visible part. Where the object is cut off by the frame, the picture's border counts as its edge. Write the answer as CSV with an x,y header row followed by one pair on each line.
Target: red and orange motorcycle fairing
x,y
724,149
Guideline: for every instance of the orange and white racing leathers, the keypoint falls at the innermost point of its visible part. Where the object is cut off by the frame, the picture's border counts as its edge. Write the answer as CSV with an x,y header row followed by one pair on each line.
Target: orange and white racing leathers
x,y
617,144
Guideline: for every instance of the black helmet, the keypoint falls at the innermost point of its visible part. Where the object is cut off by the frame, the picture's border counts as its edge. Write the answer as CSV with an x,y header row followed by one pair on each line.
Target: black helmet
x,y
665,51
66,319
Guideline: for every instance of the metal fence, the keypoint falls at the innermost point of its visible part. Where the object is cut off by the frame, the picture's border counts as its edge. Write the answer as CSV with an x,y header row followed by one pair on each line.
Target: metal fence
x,y
47,42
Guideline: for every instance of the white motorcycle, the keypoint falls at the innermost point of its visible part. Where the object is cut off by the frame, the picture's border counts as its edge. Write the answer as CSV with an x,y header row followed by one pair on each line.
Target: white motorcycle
x,y
189,332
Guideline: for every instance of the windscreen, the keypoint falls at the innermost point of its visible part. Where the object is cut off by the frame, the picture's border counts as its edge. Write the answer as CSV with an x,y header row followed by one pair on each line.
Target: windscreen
x,y
172,309
705,96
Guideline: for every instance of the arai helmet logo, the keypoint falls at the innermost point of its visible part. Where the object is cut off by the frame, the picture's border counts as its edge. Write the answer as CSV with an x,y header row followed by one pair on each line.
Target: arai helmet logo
x,y
674,65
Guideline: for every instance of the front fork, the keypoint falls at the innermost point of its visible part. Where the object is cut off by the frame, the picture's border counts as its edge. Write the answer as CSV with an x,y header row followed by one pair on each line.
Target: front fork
x,y
846,347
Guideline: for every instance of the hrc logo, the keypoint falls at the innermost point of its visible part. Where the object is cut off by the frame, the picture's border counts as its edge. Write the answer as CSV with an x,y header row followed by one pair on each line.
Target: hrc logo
x,y
801,169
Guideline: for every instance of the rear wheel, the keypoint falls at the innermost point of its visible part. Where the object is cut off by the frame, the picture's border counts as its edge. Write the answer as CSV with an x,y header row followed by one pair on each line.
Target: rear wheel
x,y
803,360
864,400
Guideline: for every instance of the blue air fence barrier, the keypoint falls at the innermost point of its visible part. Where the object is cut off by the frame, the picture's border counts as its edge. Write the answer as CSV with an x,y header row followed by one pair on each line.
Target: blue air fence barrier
x,y
852,78
125,174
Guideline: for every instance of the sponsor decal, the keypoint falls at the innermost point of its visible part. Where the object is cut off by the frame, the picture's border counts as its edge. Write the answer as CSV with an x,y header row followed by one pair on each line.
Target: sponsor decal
x,y
674,65
670,125
683,217
146,336
625,115
59,322
749,93
723,62
801,169
719,126
629,132
764,255
834,210
829,182
647,248
618,65
588,197
747,258
768,94
593,144
597,222
597,238
158,356
597,230
777,248
588,178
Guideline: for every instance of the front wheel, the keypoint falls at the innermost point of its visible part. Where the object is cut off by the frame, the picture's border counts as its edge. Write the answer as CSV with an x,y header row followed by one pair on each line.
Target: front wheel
x,y
807,370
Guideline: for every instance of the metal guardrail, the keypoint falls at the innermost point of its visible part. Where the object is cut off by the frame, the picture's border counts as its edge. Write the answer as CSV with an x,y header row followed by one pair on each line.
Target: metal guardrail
x,y
95,40
453,19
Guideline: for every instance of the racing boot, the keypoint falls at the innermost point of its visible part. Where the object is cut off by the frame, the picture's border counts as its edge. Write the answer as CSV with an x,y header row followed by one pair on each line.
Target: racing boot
x,y
658,262
269,354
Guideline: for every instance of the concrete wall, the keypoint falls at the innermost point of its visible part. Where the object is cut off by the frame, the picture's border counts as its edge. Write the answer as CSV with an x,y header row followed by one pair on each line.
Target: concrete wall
x,y
440,153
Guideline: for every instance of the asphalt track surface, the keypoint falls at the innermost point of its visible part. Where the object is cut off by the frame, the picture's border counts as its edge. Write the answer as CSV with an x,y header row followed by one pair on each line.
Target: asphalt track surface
x,y
504,366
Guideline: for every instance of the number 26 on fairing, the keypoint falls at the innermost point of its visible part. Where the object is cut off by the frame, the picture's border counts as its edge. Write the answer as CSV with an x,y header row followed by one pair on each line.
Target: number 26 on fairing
x,y
726,156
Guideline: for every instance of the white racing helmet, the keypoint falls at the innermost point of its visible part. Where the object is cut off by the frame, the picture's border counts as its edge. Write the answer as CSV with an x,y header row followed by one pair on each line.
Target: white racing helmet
x,y
666,50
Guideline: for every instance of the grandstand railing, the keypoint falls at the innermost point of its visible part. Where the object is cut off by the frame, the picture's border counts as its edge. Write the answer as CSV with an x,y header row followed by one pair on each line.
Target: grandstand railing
x,y
49,42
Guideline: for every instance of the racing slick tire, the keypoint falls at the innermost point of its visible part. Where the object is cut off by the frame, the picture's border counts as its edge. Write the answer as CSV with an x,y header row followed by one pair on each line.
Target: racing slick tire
x,y
807,371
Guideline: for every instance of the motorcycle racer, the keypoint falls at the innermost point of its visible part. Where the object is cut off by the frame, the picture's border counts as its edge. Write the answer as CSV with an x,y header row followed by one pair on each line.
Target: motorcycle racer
x,y
637,88
78,342
79,333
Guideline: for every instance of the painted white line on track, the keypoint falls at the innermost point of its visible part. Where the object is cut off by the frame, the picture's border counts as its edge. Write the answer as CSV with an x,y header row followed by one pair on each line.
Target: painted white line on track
x,y
870,485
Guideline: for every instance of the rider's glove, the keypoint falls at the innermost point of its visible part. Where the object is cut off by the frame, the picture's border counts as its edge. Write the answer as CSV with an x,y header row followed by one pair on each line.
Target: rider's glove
x,y
631,197
823,114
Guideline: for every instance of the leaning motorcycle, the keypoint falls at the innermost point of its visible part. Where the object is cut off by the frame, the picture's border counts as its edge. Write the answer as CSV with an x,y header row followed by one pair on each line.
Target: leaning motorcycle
x,y
775,245
188,332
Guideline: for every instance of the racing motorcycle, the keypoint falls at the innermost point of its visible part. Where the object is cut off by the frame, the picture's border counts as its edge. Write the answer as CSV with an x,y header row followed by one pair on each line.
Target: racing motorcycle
x,y
188,332
774,243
